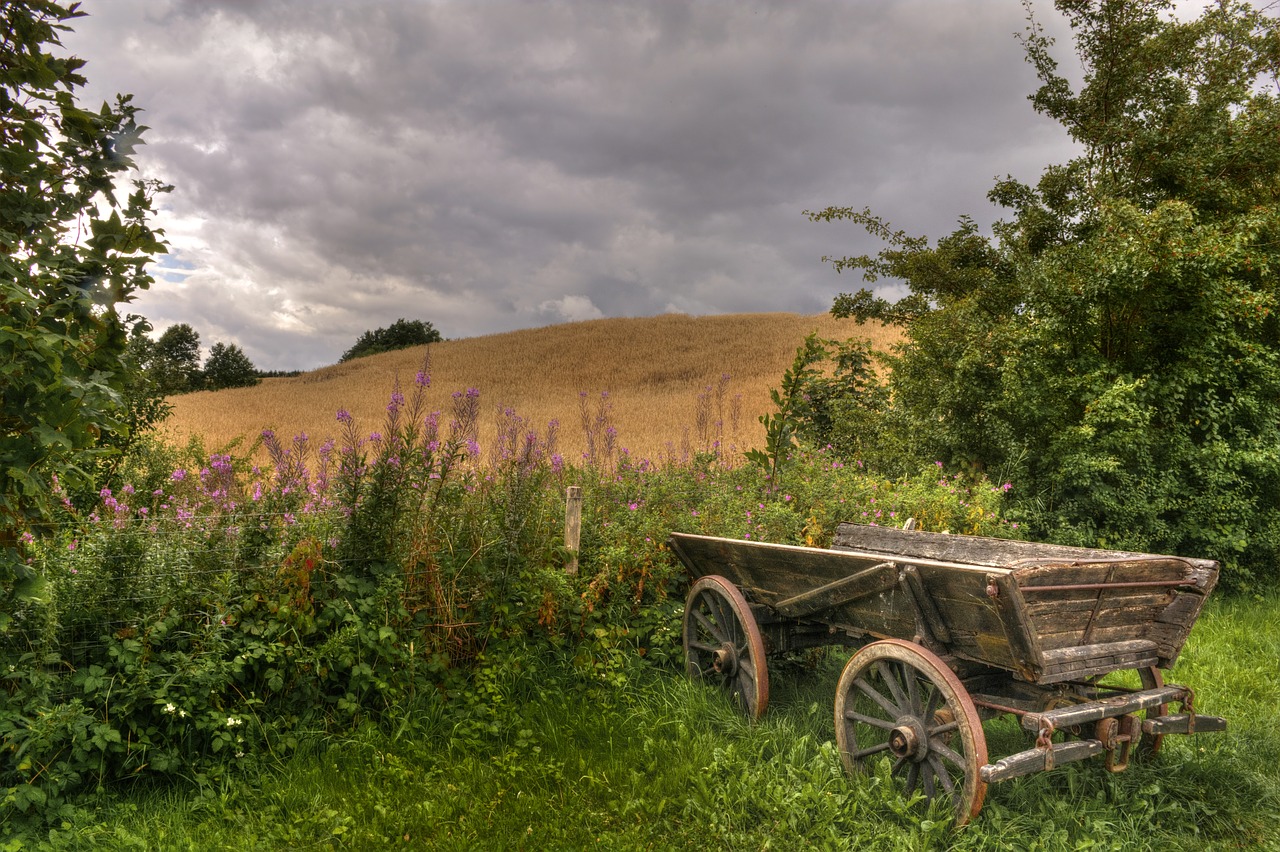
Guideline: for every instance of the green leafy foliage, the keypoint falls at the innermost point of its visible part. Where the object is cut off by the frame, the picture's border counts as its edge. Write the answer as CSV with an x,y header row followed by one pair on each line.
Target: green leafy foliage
x,y
174,361
401,334
1113,347
73,251
207,616
228,367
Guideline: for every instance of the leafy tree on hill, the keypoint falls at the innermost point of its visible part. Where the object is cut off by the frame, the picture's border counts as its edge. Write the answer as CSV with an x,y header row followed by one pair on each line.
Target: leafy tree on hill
x,y
73,251
175,361
228,367
1113,348
401,334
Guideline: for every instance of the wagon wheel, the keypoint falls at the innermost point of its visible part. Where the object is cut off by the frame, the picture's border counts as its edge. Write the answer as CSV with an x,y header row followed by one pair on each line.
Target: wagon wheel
x,y
722,643
1150,677
899,702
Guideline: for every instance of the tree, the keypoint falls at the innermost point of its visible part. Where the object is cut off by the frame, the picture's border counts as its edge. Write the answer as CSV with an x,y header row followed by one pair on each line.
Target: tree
x,y
73,251
401,334
176,361
228,367
1113,348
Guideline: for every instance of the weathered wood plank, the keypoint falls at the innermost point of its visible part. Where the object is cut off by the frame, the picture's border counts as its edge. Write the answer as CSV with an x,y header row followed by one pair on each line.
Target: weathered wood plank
x,y
1062,656
1150,569
974,550
1024,645
1037,760
1101,635
868,581
1064,602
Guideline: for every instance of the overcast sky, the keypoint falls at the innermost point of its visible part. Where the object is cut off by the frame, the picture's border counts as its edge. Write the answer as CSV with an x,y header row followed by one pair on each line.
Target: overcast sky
x,y
489,166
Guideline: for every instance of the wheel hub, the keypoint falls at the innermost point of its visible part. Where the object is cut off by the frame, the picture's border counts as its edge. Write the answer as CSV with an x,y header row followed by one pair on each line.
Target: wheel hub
x,y
909,739
725,660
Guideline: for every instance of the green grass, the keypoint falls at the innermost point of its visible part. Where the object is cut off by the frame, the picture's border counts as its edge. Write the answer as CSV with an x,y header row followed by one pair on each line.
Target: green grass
x,y
659,763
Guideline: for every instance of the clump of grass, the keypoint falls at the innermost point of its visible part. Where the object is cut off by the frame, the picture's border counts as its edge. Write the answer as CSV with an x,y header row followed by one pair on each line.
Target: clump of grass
x,y
662,763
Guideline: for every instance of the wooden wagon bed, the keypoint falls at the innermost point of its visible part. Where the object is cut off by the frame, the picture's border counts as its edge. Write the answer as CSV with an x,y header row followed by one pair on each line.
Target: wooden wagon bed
x,y
954,630
1045,612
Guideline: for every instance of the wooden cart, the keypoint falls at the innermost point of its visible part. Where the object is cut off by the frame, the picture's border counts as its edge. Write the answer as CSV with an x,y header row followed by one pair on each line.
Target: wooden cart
x,y
953,631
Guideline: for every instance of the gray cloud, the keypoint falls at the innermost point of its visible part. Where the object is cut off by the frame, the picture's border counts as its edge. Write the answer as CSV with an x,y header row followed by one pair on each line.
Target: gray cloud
x,y
489,166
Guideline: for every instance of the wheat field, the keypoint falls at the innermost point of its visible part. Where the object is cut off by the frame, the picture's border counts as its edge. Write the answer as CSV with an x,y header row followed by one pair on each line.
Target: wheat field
x,y
654,369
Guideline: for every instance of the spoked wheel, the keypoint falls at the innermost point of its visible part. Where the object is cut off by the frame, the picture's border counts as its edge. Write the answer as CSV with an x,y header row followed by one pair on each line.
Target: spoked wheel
x,y
899,703
722,643
1150,678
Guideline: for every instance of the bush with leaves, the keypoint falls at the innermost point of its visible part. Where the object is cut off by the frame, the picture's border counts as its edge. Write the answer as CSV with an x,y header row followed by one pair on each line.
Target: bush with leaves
x,y
228,367
1114,347
401,334
74,251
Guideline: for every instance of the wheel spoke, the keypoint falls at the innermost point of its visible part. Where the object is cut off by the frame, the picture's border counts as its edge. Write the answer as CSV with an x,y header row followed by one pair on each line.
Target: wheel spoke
x,y
929,791
943,729
940,771
870,750
726,619
879,699
913,777
883,724
931,705
913,690
701,646
948,754
706,624
890,674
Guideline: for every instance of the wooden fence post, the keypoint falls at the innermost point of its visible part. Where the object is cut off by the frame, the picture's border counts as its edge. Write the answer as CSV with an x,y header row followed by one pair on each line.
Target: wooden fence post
x,y
572,526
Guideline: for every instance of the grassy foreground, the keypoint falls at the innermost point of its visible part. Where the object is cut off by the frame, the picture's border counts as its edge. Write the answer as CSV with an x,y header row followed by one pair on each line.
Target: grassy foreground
x,y
654,762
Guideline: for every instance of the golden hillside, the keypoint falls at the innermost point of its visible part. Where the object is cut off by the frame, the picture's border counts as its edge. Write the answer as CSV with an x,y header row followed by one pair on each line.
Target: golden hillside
x,y
654,370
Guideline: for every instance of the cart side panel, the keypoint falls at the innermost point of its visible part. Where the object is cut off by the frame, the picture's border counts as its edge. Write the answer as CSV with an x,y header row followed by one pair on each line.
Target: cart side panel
x,y
1102,604
983,627
862,594
768,573
773,574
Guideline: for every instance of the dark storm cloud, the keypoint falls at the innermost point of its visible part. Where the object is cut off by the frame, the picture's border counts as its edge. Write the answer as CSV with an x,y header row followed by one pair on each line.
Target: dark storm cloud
x,y
488,166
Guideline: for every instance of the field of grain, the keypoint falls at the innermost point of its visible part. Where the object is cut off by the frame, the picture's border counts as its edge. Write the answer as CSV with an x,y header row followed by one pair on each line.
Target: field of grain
x,y
654,371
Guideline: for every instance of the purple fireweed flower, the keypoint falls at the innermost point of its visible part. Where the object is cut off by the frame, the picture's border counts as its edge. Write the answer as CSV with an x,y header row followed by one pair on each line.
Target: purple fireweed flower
x,y
473,449
178,475
633,506
267,434
344,416
557,463
1006,486
422,380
